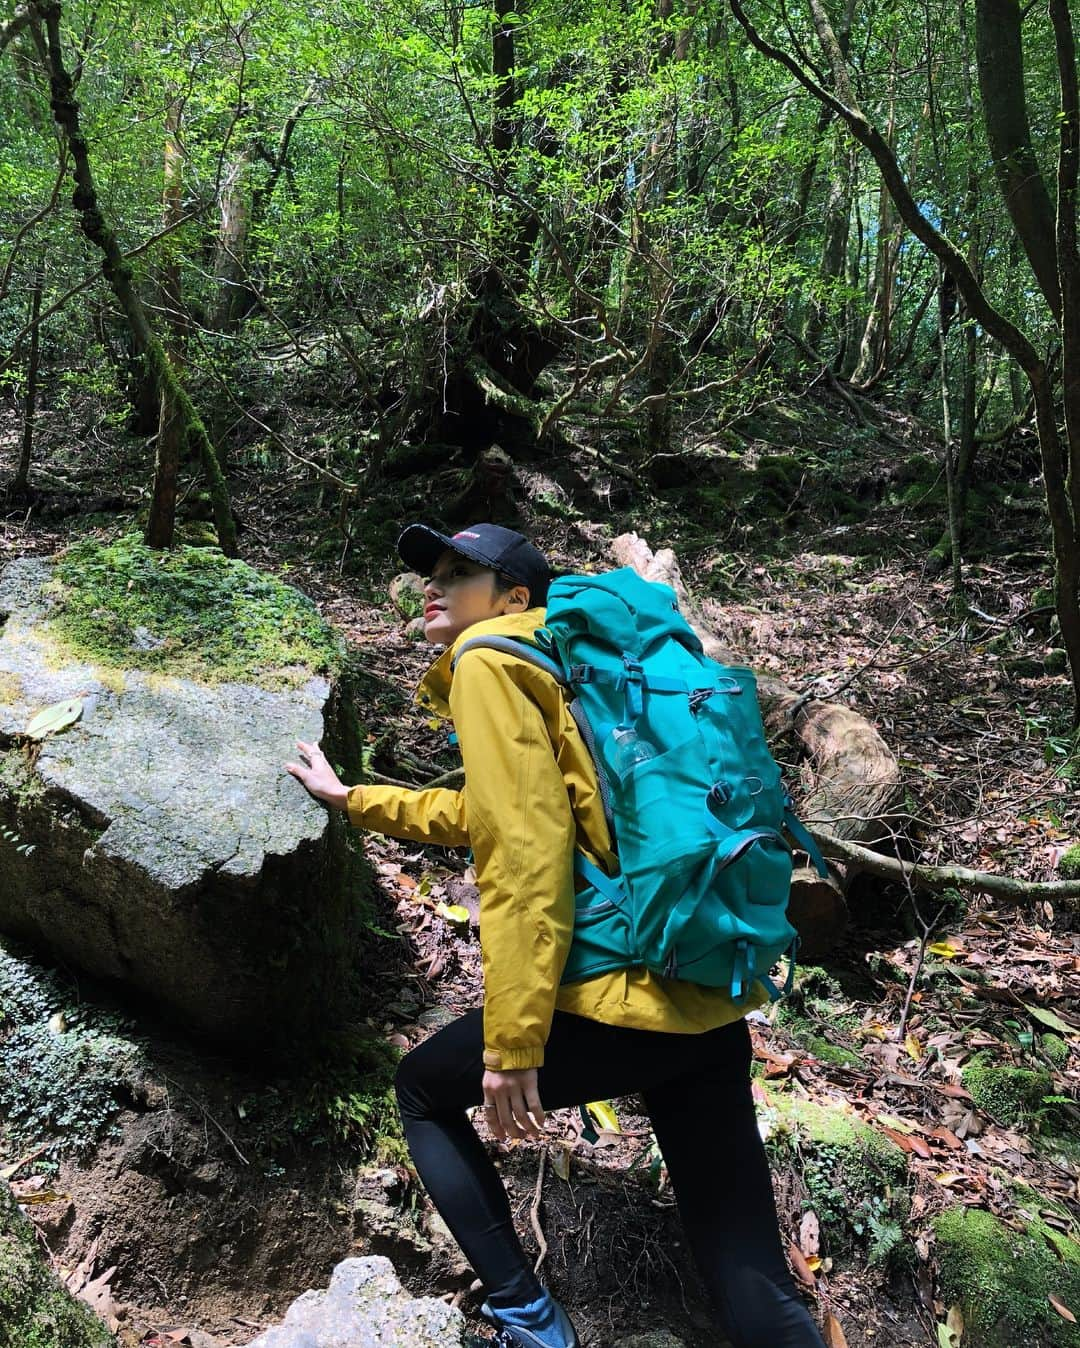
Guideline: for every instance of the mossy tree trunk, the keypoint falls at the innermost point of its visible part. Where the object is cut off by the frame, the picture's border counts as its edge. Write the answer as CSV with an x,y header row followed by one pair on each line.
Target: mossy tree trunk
x,y
20,484
161,524
120,277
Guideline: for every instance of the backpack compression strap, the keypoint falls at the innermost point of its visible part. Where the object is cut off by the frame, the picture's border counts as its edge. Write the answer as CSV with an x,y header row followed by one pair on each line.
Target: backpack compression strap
x,y
801,834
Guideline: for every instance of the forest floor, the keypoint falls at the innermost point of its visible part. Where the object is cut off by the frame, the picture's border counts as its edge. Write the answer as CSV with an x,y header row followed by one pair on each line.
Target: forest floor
x,y
208,1250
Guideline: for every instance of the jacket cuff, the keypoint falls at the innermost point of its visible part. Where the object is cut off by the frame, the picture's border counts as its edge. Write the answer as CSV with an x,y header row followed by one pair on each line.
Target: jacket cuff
x,y
354,806
513,1059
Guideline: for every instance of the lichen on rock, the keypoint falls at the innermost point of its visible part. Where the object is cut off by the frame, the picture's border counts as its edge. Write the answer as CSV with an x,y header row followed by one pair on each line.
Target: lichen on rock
x,y
158,841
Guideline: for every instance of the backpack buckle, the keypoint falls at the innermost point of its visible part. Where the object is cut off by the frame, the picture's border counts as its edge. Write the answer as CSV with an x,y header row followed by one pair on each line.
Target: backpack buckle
x,y
719,794
582,673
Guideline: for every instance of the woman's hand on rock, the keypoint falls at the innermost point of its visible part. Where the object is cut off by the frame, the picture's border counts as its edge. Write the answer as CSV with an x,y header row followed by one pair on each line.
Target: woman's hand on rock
x,y
318,776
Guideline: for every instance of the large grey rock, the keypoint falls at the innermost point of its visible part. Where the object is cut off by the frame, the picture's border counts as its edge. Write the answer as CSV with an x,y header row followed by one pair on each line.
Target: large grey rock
x,y
170,850
365,1306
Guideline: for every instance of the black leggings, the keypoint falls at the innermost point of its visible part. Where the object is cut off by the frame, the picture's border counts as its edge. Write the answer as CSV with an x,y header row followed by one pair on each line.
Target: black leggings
x,y
697,1091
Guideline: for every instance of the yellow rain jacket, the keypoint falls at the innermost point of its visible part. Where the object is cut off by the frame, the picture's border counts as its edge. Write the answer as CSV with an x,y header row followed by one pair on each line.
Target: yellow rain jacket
x,y
530,798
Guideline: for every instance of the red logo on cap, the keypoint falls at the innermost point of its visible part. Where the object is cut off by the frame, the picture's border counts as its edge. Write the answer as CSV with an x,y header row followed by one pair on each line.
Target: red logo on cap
x,y
466,534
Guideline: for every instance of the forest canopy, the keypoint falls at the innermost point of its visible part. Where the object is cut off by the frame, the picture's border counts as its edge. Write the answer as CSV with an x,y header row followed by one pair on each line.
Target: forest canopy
x,y
480,221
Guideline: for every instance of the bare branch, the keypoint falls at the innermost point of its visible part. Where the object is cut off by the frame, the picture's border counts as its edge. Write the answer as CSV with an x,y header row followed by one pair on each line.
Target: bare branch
x,y
944,877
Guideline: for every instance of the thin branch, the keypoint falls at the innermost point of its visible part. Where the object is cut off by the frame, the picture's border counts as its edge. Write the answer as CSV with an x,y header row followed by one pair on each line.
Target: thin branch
x,y
945,877
8,360
36,218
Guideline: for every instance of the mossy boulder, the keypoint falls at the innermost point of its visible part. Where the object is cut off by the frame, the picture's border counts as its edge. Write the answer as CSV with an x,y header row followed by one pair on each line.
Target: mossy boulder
x,y
1003,1279
1055,1049
856,1178
36,1310
157,840
1007,1094
1069,864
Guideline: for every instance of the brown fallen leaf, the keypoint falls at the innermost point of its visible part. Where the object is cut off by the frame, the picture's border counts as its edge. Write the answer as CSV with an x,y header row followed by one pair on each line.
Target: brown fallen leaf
x,y
810,1233
98,1296
834,1335
947,1136
801,1268
1061,1309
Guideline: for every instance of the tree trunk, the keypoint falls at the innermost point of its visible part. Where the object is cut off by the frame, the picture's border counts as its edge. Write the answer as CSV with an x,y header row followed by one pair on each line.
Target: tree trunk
x,y
230,252
1061,469
20,484
877,336
834,248
999,53
170,436
118,273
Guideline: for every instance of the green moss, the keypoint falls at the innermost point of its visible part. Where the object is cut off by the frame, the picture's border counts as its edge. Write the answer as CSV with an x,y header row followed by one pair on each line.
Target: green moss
x,y
778,480
813,1004
17,781
1069,865
856,1179
826,1051
188,611
1002,1279
1007,1094
35,1310
1054,1049
64,1068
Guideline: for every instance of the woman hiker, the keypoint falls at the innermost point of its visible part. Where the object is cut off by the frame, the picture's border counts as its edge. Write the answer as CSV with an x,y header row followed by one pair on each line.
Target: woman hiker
x,y
530,798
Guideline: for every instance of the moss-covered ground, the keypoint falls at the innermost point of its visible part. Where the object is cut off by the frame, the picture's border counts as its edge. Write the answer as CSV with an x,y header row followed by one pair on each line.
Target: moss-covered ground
x,y
36,1311
1003,1278
855,1178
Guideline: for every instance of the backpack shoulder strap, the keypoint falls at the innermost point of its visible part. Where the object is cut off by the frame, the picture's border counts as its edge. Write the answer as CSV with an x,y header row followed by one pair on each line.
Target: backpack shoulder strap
x,y
520,647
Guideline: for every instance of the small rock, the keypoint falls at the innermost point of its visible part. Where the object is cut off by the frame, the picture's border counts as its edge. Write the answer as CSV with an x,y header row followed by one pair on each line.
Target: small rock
x,y
435,1017
365,1306
653,1338
142,639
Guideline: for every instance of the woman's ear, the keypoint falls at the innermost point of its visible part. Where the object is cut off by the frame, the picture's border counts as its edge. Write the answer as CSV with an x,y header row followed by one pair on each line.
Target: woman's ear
x,y
519,597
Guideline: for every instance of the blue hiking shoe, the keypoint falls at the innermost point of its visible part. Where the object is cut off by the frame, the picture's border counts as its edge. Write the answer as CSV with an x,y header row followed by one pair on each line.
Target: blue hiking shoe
x,y
541,1324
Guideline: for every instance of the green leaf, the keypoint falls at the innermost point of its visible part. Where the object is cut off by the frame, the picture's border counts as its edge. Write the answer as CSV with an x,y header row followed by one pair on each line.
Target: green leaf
x,y
55,718
1048,1018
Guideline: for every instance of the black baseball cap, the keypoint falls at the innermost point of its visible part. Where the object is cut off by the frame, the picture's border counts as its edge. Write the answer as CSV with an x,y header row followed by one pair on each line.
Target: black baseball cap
x,y
509,553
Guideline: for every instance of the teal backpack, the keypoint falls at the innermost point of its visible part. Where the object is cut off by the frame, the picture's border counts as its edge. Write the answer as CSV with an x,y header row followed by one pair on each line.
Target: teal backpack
x,y
692,795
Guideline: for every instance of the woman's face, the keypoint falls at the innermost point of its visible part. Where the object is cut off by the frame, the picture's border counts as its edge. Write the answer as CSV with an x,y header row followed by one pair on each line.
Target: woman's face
x,y
459,593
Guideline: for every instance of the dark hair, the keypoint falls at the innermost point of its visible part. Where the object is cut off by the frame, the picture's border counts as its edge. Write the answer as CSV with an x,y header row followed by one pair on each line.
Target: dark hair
x,y
504,584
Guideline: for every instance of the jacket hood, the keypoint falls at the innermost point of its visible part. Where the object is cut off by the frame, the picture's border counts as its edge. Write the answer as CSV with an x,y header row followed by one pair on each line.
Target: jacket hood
x,y
433,694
